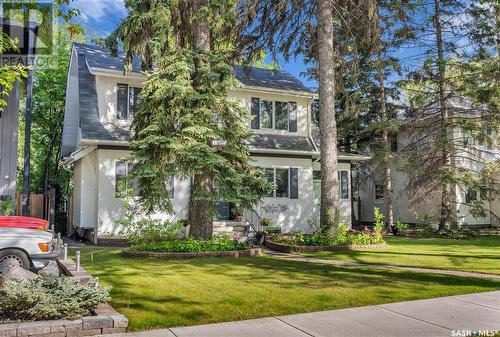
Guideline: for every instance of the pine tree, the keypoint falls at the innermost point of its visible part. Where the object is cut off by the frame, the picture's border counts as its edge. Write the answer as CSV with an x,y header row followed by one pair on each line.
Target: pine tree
x,y
442,156
186,126
321,31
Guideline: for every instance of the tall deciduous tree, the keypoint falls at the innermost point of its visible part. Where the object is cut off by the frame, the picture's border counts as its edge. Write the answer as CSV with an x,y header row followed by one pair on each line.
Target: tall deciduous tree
x,y
186,126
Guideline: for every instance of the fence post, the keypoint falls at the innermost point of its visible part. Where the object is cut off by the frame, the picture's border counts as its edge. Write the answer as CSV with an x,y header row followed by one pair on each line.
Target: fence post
x,y
77,260
65,251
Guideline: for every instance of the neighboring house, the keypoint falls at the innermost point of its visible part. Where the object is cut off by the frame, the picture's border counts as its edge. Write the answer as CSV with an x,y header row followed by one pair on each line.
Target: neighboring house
x,y
101,102
472,155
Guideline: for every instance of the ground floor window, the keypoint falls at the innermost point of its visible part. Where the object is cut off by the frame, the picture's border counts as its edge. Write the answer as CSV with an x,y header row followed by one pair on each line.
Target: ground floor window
x,y
284,180
124,183
343,184
379,191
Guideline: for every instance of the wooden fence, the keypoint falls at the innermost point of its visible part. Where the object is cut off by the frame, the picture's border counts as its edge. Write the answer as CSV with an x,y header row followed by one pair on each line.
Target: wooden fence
x,y
40,205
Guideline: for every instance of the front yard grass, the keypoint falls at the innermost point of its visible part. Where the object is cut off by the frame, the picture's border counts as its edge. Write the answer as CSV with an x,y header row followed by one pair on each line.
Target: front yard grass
x,y
155,293
477,254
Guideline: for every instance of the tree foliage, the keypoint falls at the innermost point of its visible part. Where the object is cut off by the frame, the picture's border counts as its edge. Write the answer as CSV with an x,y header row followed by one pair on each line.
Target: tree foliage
x,y
186,125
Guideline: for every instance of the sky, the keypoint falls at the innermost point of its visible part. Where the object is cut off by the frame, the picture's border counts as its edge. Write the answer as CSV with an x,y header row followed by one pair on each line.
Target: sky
x,y
101,17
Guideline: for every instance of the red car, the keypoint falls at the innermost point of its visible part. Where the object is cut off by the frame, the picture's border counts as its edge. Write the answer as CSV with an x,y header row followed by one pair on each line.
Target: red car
x,y
24,222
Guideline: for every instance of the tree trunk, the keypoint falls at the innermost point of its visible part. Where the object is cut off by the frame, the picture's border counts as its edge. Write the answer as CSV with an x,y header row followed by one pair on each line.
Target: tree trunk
x,y
445,216
201,205
46,169
328,127
386,146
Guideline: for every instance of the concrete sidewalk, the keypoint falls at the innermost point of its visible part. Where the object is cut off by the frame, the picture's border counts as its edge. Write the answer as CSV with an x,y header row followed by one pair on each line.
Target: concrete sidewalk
x,y
423,318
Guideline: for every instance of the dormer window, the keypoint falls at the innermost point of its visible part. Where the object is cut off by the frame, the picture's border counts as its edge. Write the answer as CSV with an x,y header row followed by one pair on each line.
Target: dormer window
x,y
274,115
128,101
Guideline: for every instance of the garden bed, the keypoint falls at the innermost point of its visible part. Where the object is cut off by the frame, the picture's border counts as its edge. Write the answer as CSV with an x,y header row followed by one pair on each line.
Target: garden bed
x,y
113,242
105,321
182,255
286,248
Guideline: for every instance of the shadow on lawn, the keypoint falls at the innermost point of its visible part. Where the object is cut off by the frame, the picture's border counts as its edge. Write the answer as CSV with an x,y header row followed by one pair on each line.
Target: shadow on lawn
x,y
164,293
269,269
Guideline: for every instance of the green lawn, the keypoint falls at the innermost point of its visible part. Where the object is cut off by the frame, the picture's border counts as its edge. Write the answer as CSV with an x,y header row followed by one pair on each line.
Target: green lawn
x,y
478,254
156,293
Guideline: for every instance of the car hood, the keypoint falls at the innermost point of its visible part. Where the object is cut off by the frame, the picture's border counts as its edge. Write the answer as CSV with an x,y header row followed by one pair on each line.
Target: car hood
x,y
10,232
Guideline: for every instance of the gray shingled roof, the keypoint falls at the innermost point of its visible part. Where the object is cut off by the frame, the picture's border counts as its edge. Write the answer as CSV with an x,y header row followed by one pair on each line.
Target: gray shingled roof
x,y
90,125
93,129
98,57
280,142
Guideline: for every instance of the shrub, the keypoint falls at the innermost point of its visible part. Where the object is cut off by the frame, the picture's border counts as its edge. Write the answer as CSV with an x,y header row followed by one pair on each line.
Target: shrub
x,y
189,244
379,224
50,297
152,231
266,222
7,206
400,226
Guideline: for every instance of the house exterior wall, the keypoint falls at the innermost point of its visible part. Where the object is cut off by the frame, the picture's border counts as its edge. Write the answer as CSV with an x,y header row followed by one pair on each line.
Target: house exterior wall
x,y
107,98
289,214
97,206
407,212
244,96
110,207
9,125
85,192
106,87
95,202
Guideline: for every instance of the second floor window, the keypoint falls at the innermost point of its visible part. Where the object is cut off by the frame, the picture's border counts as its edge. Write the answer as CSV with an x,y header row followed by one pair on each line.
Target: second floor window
x,y
274,115
128,101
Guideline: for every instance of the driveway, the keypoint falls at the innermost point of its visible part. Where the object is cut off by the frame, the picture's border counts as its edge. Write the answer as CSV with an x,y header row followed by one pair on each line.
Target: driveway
x,y
464,315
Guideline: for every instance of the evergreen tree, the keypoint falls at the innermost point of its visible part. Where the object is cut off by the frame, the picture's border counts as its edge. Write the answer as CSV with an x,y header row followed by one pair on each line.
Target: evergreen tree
x,y
186,126
440,158
321,31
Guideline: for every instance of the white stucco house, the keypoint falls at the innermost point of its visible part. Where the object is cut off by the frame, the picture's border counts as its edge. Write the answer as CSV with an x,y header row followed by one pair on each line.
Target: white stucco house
x,y
101,101
471,154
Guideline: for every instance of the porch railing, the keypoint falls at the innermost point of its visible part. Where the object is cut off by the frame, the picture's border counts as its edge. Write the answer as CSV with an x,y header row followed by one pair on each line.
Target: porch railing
x,y
254,220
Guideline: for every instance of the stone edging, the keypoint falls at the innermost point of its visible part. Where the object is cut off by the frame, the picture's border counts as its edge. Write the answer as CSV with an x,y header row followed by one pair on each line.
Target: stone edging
x,y
106,321
167,255
289,249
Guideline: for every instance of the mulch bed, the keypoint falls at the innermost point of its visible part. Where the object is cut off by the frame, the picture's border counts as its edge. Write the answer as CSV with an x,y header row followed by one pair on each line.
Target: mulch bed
x,y
280,247
169,255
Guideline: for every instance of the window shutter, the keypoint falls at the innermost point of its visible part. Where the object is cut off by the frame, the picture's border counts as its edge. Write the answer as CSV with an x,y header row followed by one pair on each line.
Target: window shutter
x,y
294,183
255,111
120,178
134,100
170,187
133,183
122,103
292,116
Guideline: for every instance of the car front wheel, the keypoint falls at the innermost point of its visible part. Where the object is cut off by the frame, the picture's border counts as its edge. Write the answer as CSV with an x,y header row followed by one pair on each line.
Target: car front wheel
x,y
10,258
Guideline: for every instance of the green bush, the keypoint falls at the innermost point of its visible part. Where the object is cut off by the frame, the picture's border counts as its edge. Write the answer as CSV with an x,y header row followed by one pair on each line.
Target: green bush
x,y
340,237
7,206
147,231
189,244
49,297
400,226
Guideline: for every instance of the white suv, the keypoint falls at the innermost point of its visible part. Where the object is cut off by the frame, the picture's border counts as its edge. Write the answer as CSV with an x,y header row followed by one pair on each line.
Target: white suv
x,y
30,249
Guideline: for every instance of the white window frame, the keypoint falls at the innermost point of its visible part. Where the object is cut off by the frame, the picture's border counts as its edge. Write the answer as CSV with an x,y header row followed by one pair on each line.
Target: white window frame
x,y
274,180
273,121
129,116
